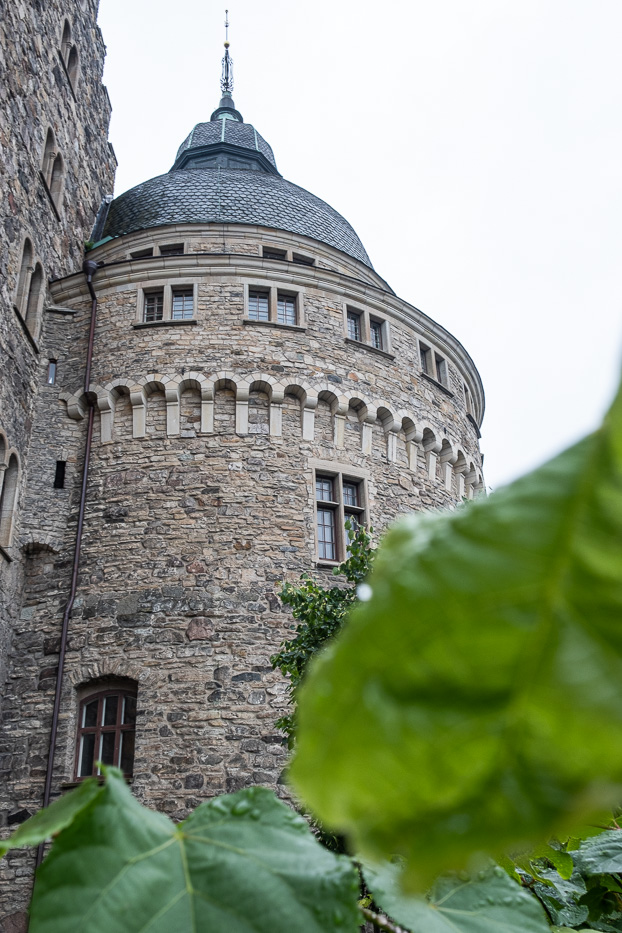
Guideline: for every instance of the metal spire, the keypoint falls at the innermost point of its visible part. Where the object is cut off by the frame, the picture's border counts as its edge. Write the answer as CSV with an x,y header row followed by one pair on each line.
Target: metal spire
x,y
226,81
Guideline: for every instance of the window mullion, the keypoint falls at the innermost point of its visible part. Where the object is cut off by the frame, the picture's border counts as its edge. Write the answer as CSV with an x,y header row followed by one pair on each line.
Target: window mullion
x,y
272,306
168,303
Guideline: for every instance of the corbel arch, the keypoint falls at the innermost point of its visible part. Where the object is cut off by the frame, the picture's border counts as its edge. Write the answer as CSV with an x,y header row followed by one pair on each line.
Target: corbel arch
x,y
390,426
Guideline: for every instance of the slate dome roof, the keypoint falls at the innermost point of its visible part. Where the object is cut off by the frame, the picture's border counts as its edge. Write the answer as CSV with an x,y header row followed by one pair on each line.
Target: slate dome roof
x,y
225,172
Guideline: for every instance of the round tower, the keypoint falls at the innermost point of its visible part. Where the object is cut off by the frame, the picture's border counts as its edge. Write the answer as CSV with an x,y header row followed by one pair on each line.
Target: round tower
x,y
255,383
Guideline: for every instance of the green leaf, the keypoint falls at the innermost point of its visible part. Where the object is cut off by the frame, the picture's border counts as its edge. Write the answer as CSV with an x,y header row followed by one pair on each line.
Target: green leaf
x,y
244,863
601,854
60,814
490,903
475,702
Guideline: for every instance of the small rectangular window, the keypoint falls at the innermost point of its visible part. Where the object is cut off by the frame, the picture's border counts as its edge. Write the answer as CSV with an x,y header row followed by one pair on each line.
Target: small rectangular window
x,y
183,304
375,334
326,534
350,494
426,359
354,325
154,306
441,369
172,249
324,489
338,502
258,306
285,309
59,475
142,253
302,260
269,252
51,372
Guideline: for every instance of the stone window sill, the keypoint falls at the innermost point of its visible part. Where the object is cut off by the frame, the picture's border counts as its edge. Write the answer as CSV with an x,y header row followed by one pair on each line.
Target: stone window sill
x,y
31,339
298,327
368,346
439,385
327,564
71,785
190,321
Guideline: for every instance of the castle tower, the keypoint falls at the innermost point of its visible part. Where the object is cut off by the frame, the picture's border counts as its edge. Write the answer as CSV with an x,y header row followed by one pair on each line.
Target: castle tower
x,y
253,384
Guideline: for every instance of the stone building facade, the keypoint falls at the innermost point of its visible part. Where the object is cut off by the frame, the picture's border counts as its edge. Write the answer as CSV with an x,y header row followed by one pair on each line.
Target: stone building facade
x,y
253,383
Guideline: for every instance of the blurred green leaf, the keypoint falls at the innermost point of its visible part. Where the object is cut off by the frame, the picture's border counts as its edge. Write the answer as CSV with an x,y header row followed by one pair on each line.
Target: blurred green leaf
x,y
60,814
475,703
489,903
244,862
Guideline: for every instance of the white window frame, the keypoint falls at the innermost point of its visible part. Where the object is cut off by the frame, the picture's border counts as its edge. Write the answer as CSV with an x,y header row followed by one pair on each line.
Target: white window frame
x,y
275,290
339,473
366,317
167,311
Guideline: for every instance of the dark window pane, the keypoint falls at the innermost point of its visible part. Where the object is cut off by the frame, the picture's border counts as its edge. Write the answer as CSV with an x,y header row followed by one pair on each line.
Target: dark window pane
x,y
129,710
354,326
87,747
154,307
126,753
274,254
106,748
425,359
375,332
324,489
142,253
111,705
326,534
175,249
303,260
350,494
90,714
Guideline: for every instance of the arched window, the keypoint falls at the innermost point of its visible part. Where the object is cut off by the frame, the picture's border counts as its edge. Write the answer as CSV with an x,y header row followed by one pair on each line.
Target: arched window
x,y
65,44
56,180
106,730
33,305
72,66
8,498
49,155
25,271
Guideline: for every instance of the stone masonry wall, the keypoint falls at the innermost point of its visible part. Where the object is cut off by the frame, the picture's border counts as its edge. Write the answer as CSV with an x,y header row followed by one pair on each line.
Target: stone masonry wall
x,y
201,501
36,95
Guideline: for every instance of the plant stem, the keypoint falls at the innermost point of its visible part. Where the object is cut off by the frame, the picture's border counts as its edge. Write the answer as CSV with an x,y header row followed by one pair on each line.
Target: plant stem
x,y
381,922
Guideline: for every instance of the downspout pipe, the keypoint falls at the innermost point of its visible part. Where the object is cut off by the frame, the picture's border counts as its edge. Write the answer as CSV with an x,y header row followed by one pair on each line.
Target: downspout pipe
x,y
89,268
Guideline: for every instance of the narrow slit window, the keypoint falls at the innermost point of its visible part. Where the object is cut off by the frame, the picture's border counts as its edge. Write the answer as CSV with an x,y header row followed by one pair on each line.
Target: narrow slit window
x,y
183,304
51,373
172,249
154,307
258,306
426,359
142,253
286,309
441,369
272,253
302,260
59,475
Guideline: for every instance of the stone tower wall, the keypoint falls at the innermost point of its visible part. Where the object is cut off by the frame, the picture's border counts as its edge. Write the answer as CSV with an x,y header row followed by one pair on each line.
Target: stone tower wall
x,y
201,496
38,93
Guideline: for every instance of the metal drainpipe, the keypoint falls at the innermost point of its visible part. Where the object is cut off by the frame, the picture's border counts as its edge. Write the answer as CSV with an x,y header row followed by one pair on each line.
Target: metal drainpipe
x,y
89,268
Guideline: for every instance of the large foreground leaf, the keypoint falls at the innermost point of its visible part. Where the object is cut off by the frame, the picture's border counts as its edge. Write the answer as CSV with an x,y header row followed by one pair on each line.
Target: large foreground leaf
x,y
475,702
488,903
243,863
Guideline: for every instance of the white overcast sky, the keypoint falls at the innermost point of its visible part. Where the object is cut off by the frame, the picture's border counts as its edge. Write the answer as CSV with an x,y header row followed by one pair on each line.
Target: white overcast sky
x,y
475,148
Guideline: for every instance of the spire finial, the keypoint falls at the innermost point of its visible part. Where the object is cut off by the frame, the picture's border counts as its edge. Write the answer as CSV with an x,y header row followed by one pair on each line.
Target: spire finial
x,y
226,82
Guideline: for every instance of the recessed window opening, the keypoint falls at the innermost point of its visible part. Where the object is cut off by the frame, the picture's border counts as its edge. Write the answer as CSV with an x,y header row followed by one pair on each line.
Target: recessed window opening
x,y
142,253
49,155
354,325
51,380
441,369
426,359
286,309
302,260
8,498
183,304
375,334
153,307
59,475
172,249
106,732
65,44
270,252
258,306
72,66
338,500
56,179
326,518
34,297
26,268
467,400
